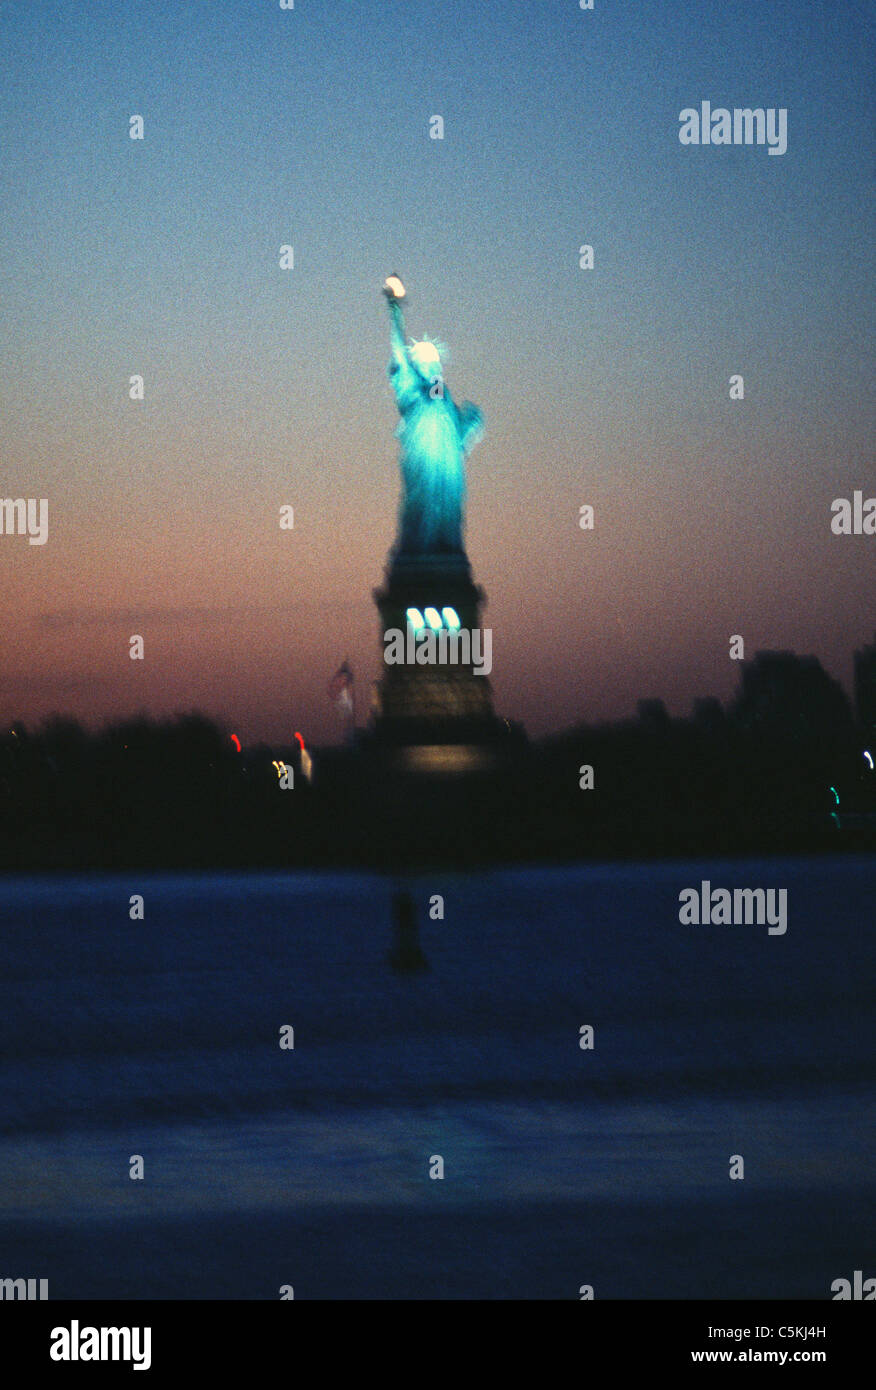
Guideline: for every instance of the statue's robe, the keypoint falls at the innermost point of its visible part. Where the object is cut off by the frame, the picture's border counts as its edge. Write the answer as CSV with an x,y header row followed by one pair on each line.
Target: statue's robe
x,y
435,437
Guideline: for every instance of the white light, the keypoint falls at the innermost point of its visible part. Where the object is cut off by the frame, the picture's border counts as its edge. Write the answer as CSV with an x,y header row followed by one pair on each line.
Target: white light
x,y
425,355
451,617
433,618
869,756
415,618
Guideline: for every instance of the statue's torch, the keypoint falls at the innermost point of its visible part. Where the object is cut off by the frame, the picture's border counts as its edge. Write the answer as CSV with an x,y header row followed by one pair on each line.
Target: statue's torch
x,y
393,288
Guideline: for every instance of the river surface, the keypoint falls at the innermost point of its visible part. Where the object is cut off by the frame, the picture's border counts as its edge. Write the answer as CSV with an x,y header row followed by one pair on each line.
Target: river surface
x,y
310,1166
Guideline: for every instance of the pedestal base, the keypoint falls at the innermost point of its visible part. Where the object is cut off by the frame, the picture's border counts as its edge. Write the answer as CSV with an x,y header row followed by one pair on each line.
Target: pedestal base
x,y
427,707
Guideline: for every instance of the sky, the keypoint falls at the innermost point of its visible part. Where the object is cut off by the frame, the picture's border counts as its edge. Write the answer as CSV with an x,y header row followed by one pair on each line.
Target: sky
x,y
267,387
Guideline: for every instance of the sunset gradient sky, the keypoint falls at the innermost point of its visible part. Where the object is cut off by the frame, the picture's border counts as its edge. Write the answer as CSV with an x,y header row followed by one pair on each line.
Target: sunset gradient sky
x,y
267,387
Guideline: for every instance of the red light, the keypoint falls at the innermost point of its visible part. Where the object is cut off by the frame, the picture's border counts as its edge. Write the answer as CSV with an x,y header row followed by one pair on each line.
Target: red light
x,y
301,741
236,741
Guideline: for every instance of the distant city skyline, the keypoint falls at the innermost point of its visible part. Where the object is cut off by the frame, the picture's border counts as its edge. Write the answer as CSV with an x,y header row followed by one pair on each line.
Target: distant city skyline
x,y
266,387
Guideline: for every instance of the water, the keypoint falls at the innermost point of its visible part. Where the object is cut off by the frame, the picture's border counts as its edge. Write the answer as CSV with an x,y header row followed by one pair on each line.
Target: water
x,y
311,1167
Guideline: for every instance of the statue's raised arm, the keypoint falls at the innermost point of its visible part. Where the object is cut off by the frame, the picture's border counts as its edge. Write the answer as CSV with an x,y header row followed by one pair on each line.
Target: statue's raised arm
x,y
401,372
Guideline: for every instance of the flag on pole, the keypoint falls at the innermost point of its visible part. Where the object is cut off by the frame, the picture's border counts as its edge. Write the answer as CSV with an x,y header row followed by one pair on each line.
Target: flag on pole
x,y
341,689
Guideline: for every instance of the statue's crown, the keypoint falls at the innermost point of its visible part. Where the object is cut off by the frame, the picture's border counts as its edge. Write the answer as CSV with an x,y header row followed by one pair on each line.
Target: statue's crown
x,y
426,355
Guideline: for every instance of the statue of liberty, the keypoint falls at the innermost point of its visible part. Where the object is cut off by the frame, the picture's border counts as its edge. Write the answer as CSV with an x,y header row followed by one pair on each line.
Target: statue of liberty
x,y
435,438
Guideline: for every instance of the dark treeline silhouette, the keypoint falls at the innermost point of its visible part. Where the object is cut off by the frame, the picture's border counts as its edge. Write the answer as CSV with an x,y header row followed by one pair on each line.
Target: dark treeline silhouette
x,y
783,767
787,766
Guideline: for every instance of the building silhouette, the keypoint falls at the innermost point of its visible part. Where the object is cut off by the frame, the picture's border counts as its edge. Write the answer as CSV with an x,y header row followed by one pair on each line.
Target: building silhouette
x,y
865,687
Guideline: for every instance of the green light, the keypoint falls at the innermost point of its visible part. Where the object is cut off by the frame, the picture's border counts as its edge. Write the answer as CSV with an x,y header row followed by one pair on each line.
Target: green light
x,y
836,794
451,617
433,618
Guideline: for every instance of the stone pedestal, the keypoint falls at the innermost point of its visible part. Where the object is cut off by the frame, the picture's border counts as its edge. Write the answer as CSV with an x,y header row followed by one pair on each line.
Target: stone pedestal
x,y
440,715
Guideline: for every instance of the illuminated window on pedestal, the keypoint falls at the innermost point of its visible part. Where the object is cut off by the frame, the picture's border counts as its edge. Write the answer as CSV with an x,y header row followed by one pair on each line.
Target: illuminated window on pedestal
x,y
448,617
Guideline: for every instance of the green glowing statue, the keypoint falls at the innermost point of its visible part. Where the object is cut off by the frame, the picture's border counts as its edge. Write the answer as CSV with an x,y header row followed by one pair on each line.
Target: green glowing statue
x,y
435,438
